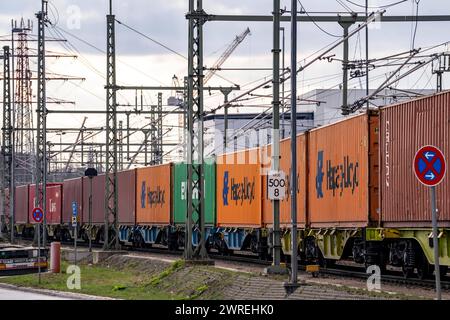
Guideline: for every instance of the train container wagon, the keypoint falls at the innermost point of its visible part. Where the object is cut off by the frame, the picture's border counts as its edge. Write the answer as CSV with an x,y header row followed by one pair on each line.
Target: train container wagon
x,y
343,185
127,203
72,193
98,202
179,194
239,202
285,204
153,204
126,188
285,166
405,202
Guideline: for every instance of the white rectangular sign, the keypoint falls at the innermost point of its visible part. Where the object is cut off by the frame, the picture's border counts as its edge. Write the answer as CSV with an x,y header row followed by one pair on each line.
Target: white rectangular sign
x,y
276,185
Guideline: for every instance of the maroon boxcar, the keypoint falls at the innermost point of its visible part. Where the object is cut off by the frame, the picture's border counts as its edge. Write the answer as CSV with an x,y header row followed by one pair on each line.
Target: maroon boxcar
x,y
72,191
53,209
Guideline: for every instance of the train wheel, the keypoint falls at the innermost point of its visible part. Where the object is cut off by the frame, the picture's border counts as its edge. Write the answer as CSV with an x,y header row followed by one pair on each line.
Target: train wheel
x,y
138,241
407,272
443,270
424,269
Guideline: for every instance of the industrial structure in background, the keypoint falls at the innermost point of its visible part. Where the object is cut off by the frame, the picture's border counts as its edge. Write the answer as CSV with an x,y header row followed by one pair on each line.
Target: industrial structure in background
x,y
23,111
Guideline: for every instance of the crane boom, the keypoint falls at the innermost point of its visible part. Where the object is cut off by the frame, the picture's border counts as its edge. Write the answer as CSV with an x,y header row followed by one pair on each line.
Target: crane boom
x,y
236,42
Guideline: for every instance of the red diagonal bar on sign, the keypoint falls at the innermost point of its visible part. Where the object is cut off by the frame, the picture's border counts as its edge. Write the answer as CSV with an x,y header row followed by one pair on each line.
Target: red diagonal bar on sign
x,y
429,164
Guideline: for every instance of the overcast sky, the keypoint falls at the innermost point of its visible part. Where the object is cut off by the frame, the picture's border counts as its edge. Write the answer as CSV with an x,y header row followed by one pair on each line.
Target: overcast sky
x,y
142,62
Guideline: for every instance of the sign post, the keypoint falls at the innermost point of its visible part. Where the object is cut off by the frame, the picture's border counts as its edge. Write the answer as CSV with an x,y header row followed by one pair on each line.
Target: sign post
x,y
38,216
429,167
75,226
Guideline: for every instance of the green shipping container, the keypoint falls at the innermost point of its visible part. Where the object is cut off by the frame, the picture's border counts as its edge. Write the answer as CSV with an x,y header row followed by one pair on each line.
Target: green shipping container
x,y
180,190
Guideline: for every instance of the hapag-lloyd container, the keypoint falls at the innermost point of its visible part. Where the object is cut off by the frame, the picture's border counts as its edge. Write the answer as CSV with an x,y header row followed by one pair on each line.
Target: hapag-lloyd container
x,y
53,210
21,209
405,128
72,192
343,173
238,191
180,191
153,195
285,166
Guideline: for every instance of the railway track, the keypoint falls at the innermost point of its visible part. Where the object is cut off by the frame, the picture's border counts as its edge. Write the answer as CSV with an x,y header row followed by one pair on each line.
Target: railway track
x,y
345,271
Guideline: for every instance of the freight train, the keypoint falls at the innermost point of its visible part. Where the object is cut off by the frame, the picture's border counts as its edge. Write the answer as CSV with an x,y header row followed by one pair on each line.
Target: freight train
x,y
358,197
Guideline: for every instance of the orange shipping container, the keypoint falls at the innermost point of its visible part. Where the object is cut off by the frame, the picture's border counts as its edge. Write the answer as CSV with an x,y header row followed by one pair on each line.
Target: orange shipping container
x,y
285,204
343,178
238,192
153,197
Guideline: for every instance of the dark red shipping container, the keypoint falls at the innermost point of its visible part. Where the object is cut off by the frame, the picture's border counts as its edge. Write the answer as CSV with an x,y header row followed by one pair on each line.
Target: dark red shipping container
x,y
72,191
126,198
405,128
21,209
98,199
53,209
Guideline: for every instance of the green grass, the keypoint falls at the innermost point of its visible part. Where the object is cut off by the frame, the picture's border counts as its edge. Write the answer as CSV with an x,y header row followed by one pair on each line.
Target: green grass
x,y
101,281
173,268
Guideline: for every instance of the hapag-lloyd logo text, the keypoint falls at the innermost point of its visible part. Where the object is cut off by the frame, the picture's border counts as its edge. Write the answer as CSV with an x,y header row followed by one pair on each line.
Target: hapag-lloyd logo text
x,y
339,176
240,190
152,197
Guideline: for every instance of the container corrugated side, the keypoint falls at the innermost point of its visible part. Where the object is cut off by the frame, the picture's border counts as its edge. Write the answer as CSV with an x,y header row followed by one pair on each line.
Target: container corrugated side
x,y
98,200
21,209
127,197
239,190
153,195
339,174
72,191
180,190
405,128
285,166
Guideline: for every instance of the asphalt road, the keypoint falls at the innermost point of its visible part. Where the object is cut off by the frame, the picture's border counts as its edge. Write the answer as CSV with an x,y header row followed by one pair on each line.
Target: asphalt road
x,y
9,294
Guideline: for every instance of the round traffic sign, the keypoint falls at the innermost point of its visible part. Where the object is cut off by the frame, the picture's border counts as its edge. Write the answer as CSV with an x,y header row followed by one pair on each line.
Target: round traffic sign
x,y
38,215
429,165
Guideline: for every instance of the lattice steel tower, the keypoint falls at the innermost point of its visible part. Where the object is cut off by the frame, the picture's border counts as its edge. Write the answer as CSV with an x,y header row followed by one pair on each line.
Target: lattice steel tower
x,y
24,138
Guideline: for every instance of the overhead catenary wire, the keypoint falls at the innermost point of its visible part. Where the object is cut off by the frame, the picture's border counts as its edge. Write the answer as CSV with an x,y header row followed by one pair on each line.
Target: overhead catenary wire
x,y
377,7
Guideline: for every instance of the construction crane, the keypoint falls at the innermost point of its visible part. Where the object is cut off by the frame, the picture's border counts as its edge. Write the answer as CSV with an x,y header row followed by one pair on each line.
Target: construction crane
x,y
177,98
236,42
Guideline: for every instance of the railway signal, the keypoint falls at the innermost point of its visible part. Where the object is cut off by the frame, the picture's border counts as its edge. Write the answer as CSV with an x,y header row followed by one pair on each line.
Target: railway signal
x,y
429,167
